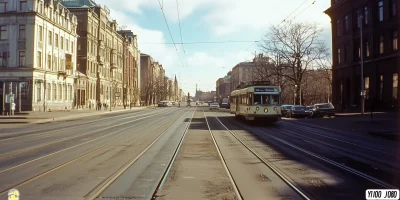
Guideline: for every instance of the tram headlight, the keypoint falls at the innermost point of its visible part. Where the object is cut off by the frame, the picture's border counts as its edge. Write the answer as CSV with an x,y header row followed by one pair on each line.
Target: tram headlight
x,y
265,109
257,108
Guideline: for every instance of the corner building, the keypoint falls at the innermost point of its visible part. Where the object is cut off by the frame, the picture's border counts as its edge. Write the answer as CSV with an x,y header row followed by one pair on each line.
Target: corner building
x,y
37,55
380,38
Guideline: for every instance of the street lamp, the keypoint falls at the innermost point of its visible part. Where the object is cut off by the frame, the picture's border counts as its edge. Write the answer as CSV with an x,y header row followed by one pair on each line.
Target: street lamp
x,y
362,63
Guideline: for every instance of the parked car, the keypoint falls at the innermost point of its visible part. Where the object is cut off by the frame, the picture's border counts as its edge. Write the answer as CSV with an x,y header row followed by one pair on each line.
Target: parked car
x,y
214,106
298,111
323,109
285,109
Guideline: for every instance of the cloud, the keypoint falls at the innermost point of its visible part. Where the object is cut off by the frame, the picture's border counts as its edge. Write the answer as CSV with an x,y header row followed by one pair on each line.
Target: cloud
x,y
162,53
226,16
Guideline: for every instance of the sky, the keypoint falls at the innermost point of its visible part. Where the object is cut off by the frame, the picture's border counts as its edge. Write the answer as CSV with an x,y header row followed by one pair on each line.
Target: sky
x,y
208,21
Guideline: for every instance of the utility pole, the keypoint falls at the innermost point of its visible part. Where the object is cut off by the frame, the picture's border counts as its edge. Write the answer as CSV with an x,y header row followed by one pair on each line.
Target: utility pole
x,y
362,64
4,98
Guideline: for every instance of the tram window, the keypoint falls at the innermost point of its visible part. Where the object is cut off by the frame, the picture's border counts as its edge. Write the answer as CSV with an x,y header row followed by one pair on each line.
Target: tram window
x,y
274,99
266,99
257,99
250,99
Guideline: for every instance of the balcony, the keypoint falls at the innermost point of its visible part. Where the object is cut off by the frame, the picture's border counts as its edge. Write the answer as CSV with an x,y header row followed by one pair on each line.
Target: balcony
x,y
100,59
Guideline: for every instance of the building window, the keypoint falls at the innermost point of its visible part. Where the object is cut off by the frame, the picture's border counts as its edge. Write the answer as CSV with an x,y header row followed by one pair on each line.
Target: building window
x,y
395,85
48,61
3,6
22,5
59,92
380,87
39,61
395,41
346,23
338,27
48,90
56,40
381,45
62,42
394,7
380,10
39,92
66,44
338,55
65,92
366,14
24,90
50,38
3,59
366,87
54,91
70,92
346,53
367,52
3,33
40,33
21,31
21,58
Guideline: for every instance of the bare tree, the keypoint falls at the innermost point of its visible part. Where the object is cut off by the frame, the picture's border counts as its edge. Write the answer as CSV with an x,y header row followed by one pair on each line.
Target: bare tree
x,y
147,91
325,65
298,46
164,90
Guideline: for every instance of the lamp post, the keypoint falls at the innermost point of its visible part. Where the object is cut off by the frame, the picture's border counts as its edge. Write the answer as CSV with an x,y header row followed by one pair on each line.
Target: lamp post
x,y
362,64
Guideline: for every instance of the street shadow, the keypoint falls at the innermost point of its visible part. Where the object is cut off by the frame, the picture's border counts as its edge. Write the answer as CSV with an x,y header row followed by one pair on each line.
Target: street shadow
x,y
353,188
198,124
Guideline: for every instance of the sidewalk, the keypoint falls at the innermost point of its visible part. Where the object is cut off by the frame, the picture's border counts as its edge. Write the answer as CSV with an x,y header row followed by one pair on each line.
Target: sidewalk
x,y
59,115
385,125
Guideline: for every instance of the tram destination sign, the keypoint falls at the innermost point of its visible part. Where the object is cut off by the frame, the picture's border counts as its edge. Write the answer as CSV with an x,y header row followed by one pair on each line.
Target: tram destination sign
x,y
264,90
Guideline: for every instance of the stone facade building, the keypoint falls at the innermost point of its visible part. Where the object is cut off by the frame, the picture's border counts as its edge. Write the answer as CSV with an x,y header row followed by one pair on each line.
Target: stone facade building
x,y
37,55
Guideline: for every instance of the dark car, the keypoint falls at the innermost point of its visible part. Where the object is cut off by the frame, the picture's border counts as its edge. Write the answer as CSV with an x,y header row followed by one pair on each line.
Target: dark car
x,y
298,111
285,109
310,108
323,109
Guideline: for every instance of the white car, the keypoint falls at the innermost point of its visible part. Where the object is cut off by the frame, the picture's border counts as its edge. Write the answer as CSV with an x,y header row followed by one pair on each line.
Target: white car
x,y
214,106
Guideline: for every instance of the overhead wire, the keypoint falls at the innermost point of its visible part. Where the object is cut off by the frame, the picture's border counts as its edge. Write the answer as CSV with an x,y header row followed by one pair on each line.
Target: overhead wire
x,y
180,31
204,42
305,9
162,10
293,12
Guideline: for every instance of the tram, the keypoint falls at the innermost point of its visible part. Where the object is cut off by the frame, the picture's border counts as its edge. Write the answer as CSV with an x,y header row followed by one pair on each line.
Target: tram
x,y
257,101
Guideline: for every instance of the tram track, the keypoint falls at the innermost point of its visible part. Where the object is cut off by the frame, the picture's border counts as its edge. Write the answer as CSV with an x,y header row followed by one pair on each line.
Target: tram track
x,y
69,127
96,192
19,151
268,164
322,158
92,151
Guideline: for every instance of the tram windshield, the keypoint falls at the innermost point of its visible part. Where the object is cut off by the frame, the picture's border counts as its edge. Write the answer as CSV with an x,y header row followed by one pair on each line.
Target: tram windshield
x,y
266,99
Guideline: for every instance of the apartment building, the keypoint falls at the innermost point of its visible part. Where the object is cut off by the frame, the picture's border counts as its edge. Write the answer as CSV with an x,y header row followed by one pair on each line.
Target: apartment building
x,y
380,38
108,56
37,55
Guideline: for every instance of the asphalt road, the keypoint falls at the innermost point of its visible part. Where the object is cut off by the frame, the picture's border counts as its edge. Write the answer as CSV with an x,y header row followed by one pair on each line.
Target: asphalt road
x,y
191,153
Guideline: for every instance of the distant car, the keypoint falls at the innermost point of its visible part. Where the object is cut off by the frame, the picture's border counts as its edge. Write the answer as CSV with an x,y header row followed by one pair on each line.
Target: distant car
x,y
214,106
298,111
286,109
323,109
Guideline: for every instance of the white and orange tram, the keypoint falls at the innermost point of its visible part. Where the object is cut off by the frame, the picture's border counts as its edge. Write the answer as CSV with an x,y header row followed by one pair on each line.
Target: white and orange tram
x,y
257,101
